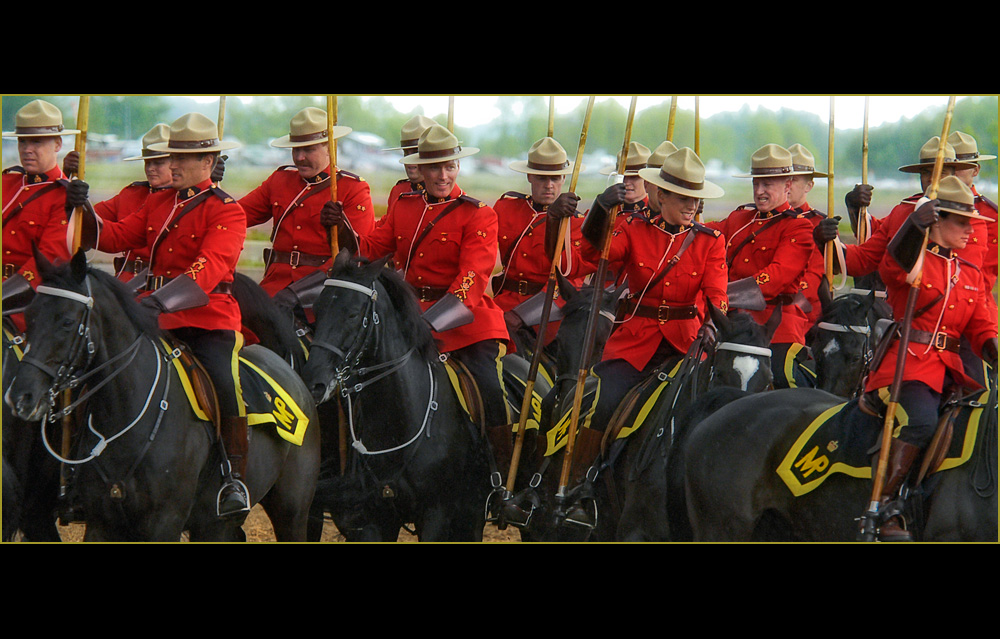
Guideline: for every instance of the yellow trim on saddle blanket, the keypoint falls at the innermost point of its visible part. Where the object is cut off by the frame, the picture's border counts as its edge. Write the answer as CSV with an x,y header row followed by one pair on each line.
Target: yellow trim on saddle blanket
x,y
287,416
971,432
811,462
557,435
456,386
17,349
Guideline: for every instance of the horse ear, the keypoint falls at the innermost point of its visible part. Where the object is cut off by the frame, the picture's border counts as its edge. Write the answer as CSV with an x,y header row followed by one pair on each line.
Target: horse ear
x,y
825,296
42,263
379,264
721,321
773,322
566,289
78,265
341,262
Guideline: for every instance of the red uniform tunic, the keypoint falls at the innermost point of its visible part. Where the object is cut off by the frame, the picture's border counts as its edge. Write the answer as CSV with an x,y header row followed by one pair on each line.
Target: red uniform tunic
x,y
776,258
523,257
403,186
42,222
642,248
988,209
129,200
812,278
962,310
456,257
293,204
862,259
191,235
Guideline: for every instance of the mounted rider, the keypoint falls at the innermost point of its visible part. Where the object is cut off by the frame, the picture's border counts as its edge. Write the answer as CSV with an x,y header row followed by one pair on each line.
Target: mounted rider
x,y
802,184
34,197
195,233
292,199
409,135
445,245
529,229
951,304
675,267
770,243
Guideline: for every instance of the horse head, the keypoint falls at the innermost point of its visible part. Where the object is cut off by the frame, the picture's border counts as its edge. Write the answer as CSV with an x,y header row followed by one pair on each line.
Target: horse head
x,y
573,327
741,357
841,341
365,313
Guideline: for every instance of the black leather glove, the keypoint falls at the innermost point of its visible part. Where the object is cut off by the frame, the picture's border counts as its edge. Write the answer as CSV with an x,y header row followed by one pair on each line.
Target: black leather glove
x,y
332,214
71,163
990,352
613,196
564,206
926,215
219,170
76,195
827,230
860,197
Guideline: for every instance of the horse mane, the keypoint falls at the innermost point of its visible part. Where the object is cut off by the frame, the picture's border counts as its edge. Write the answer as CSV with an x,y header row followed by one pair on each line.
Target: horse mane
x,y
743,329
141,318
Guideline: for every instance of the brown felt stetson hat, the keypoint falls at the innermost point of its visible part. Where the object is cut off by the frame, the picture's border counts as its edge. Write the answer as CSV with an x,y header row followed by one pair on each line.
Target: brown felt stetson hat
x,y
193,133
39,119
683,172
159,133
635,159
308,127
803,160
409,134
928,155
438,144
955,197
545,157
659,154
966,149
771,160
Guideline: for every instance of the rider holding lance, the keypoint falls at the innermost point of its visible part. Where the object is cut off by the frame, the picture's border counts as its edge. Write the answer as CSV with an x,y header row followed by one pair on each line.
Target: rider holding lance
x,y
34,195
445,245
771,243
286,198
195,234
675,266
951,303
529,227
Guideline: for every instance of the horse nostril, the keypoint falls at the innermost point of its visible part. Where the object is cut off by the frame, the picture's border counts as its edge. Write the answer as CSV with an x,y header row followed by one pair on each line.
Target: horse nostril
x,y
318,392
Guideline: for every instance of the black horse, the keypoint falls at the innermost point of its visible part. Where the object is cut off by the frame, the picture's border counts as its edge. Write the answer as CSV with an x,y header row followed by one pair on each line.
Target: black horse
x,y
734,492
843,340
628,479
146,466
416,455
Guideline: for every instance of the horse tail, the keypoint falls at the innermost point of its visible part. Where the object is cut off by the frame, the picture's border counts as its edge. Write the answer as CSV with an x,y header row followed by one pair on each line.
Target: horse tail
x,y
274,327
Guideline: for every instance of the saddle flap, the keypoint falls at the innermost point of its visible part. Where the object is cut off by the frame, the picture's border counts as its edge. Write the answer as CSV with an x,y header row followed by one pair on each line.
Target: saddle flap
x,y
467,390
196,382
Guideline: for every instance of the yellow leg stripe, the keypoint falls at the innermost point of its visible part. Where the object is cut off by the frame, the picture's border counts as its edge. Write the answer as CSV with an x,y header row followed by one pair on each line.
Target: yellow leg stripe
x,y
235,359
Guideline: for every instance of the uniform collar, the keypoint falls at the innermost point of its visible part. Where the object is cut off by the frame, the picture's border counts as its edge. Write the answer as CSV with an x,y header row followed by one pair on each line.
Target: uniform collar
x,y
319,177
455,192
785,206
536,207
191,191
53,174
939,250
661,224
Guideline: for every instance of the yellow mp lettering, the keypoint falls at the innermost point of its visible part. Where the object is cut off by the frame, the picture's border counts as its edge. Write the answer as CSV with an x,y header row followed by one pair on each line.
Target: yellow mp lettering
x,y
536,407
281,412
810,463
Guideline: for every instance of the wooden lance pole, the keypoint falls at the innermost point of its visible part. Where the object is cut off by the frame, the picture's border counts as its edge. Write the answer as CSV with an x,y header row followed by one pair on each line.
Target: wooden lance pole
x,y
222,115
331,121
697,146
451,113
830,246
552,116
82,123
595,307
868,529
550,290
863,229
672,118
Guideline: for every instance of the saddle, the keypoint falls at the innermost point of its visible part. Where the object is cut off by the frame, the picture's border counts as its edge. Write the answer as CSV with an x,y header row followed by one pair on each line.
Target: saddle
x,y
467,390
196,381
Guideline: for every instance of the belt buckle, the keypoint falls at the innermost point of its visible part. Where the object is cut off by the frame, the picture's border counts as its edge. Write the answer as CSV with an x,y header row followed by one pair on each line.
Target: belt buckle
x,y
8,270
663,314
137,266
941,340
153,282
423,294
293,259
522,287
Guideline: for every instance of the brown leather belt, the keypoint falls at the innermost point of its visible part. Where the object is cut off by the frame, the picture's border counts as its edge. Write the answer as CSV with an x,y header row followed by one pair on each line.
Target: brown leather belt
x,y
429,293
131,266
295,258
154,282
660,313
522,287
940,340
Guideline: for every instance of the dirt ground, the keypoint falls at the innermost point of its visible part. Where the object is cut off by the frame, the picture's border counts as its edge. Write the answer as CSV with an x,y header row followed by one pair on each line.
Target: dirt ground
x,y
258,530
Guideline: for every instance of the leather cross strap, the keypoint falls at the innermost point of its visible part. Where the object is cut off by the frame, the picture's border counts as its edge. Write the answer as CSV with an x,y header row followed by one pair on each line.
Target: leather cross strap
x,y
192,204
17,209
749,238
319,189
673,261
423,235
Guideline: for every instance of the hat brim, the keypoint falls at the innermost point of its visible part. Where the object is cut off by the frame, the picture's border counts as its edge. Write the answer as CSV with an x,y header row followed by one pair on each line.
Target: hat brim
x,y
521,166
15,134
284,142
708,191
968,214
146,157
164,147
916,168
416,159
773,175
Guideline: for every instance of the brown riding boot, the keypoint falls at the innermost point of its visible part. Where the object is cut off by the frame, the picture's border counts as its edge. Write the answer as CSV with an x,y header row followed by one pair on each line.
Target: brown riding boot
x,y
901,458
234,496
586,455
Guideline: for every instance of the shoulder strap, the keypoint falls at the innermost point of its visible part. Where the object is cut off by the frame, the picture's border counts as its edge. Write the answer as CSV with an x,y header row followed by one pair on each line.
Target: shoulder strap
x,y
673,261
750,237
193,203
323,189
20,205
